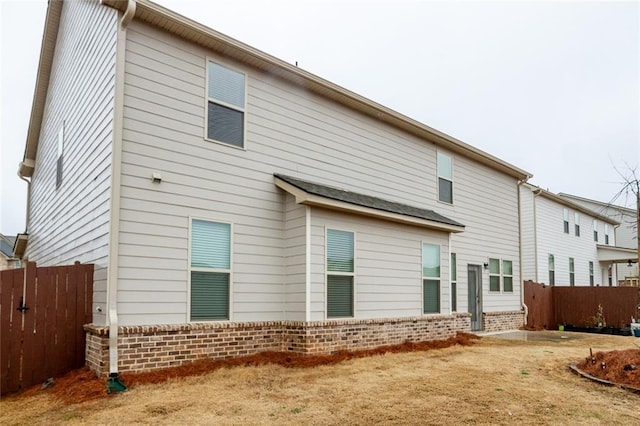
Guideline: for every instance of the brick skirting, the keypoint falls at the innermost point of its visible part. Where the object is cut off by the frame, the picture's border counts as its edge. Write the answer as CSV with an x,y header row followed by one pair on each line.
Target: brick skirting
x,y
161,346
500,321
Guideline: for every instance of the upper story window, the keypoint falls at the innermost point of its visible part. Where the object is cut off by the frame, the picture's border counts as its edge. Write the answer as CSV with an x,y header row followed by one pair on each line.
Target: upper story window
x,y
595,231
210,270
576,221
565,219
445,178
225,104
340,273
431,278
606,234
60,156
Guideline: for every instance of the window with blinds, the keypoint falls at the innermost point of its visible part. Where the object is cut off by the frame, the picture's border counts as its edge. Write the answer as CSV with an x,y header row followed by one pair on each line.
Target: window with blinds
x,y
340,273
210,270
430,278
225,105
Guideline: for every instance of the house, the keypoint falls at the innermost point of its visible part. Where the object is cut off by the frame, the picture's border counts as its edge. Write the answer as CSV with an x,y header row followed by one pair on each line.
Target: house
x,y
626,234
565,243
7,259
234,203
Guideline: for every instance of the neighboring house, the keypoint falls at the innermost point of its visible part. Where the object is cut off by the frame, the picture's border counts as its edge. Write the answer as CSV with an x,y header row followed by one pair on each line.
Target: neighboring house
x,y
7,259
565,243
234,203
626,234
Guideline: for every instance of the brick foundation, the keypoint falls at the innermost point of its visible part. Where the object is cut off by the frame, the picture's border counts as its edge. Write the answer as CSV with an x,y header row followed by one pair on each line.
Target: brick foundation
x,y
153,347
500,321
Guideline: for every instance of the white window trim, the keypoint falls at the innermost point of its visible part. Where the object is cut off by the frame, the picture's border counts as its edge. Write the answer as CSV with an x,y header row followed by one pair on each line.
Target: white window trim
x,y
234,107
607,238
549,268
438,152
591,273
503,275
499,275
572,265
566,226
229,271
347,274
439,278
451,280
576,224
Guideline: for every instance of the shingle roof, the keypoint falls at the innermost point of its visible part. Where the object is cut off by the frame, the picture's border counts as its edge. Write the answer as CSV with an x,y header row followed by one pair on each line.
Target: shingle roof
x,y
366,200
6,245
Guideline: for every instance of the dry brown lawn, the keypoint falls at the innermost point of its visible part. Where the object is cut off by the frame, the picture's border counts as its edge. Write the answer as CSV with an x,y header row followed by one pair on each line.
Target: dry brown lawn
x,y
494,381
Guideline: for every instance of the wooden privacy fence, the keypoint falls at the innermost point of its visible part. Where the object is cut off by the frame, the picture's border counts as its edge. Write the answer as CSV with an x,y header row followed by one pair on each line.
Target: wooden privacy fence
x,y
42,312
552,306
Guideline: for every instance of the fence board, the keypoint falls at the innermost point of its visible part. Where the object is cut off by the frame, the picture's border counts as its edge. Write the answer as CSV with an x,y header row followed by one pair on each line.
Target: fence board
x,y
6,309
30,356
47,340
578,305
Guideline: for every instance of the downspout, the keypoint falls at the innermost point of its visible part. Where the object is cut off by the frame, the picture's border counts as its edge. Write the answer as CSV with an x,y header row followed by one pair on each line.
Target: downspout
x,y
524,306
28,212
307,279
535,235
113,383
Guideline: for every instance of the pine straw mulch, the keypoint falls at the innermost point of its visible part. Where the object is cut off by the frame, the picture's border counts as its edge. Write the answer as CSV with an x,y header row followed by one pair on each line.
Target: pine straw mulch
x,y
620,367
83,385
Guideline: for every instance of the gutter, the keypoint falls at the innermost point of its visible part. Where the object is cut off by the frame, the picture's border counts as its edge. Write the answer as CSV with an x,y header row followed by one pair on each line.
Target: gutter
x,y
114,384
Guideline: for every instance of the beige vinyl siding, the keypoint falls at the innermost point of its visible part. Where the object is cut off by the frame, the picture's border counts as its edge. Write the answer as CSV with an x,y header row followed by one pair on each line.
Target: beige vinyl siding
x,y
71,223
294,132
486,202
294,241
388,259
527,218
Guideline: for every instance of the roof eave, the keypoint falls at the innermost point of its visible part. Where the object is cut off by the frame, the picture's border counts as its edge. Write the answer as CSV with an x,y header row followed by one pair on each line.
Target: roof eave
x,y
303,197
188,29
567,203
47,50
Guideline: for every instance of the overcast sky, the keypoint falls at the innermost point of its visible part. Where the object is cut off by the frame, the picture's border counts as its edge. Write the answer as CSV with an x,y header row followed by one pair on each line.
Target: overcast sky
x,y
551,87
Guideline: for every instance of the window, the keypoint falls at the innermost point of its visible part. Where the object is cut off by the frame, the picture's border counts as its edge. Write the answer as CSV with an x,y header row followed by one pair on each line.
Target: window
x,y
340,273
225,105
565,219
431,278
454,283
610,274
507,276
591,274
572,272
576,220
60,156
595,231
445,178
552,270
210,270
494,275
606,234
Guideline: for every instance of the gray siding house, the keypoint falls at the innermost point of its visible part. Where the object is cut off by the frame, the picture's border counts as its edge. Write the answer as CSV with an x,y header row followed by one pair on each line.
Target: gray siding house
x,y
233,203
566,243
626,234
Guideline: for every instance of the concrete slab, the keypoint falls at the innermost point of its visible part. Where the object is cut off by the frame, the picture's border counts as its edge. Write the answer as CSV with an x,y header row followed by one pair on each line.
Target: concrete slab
x,y
534,336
